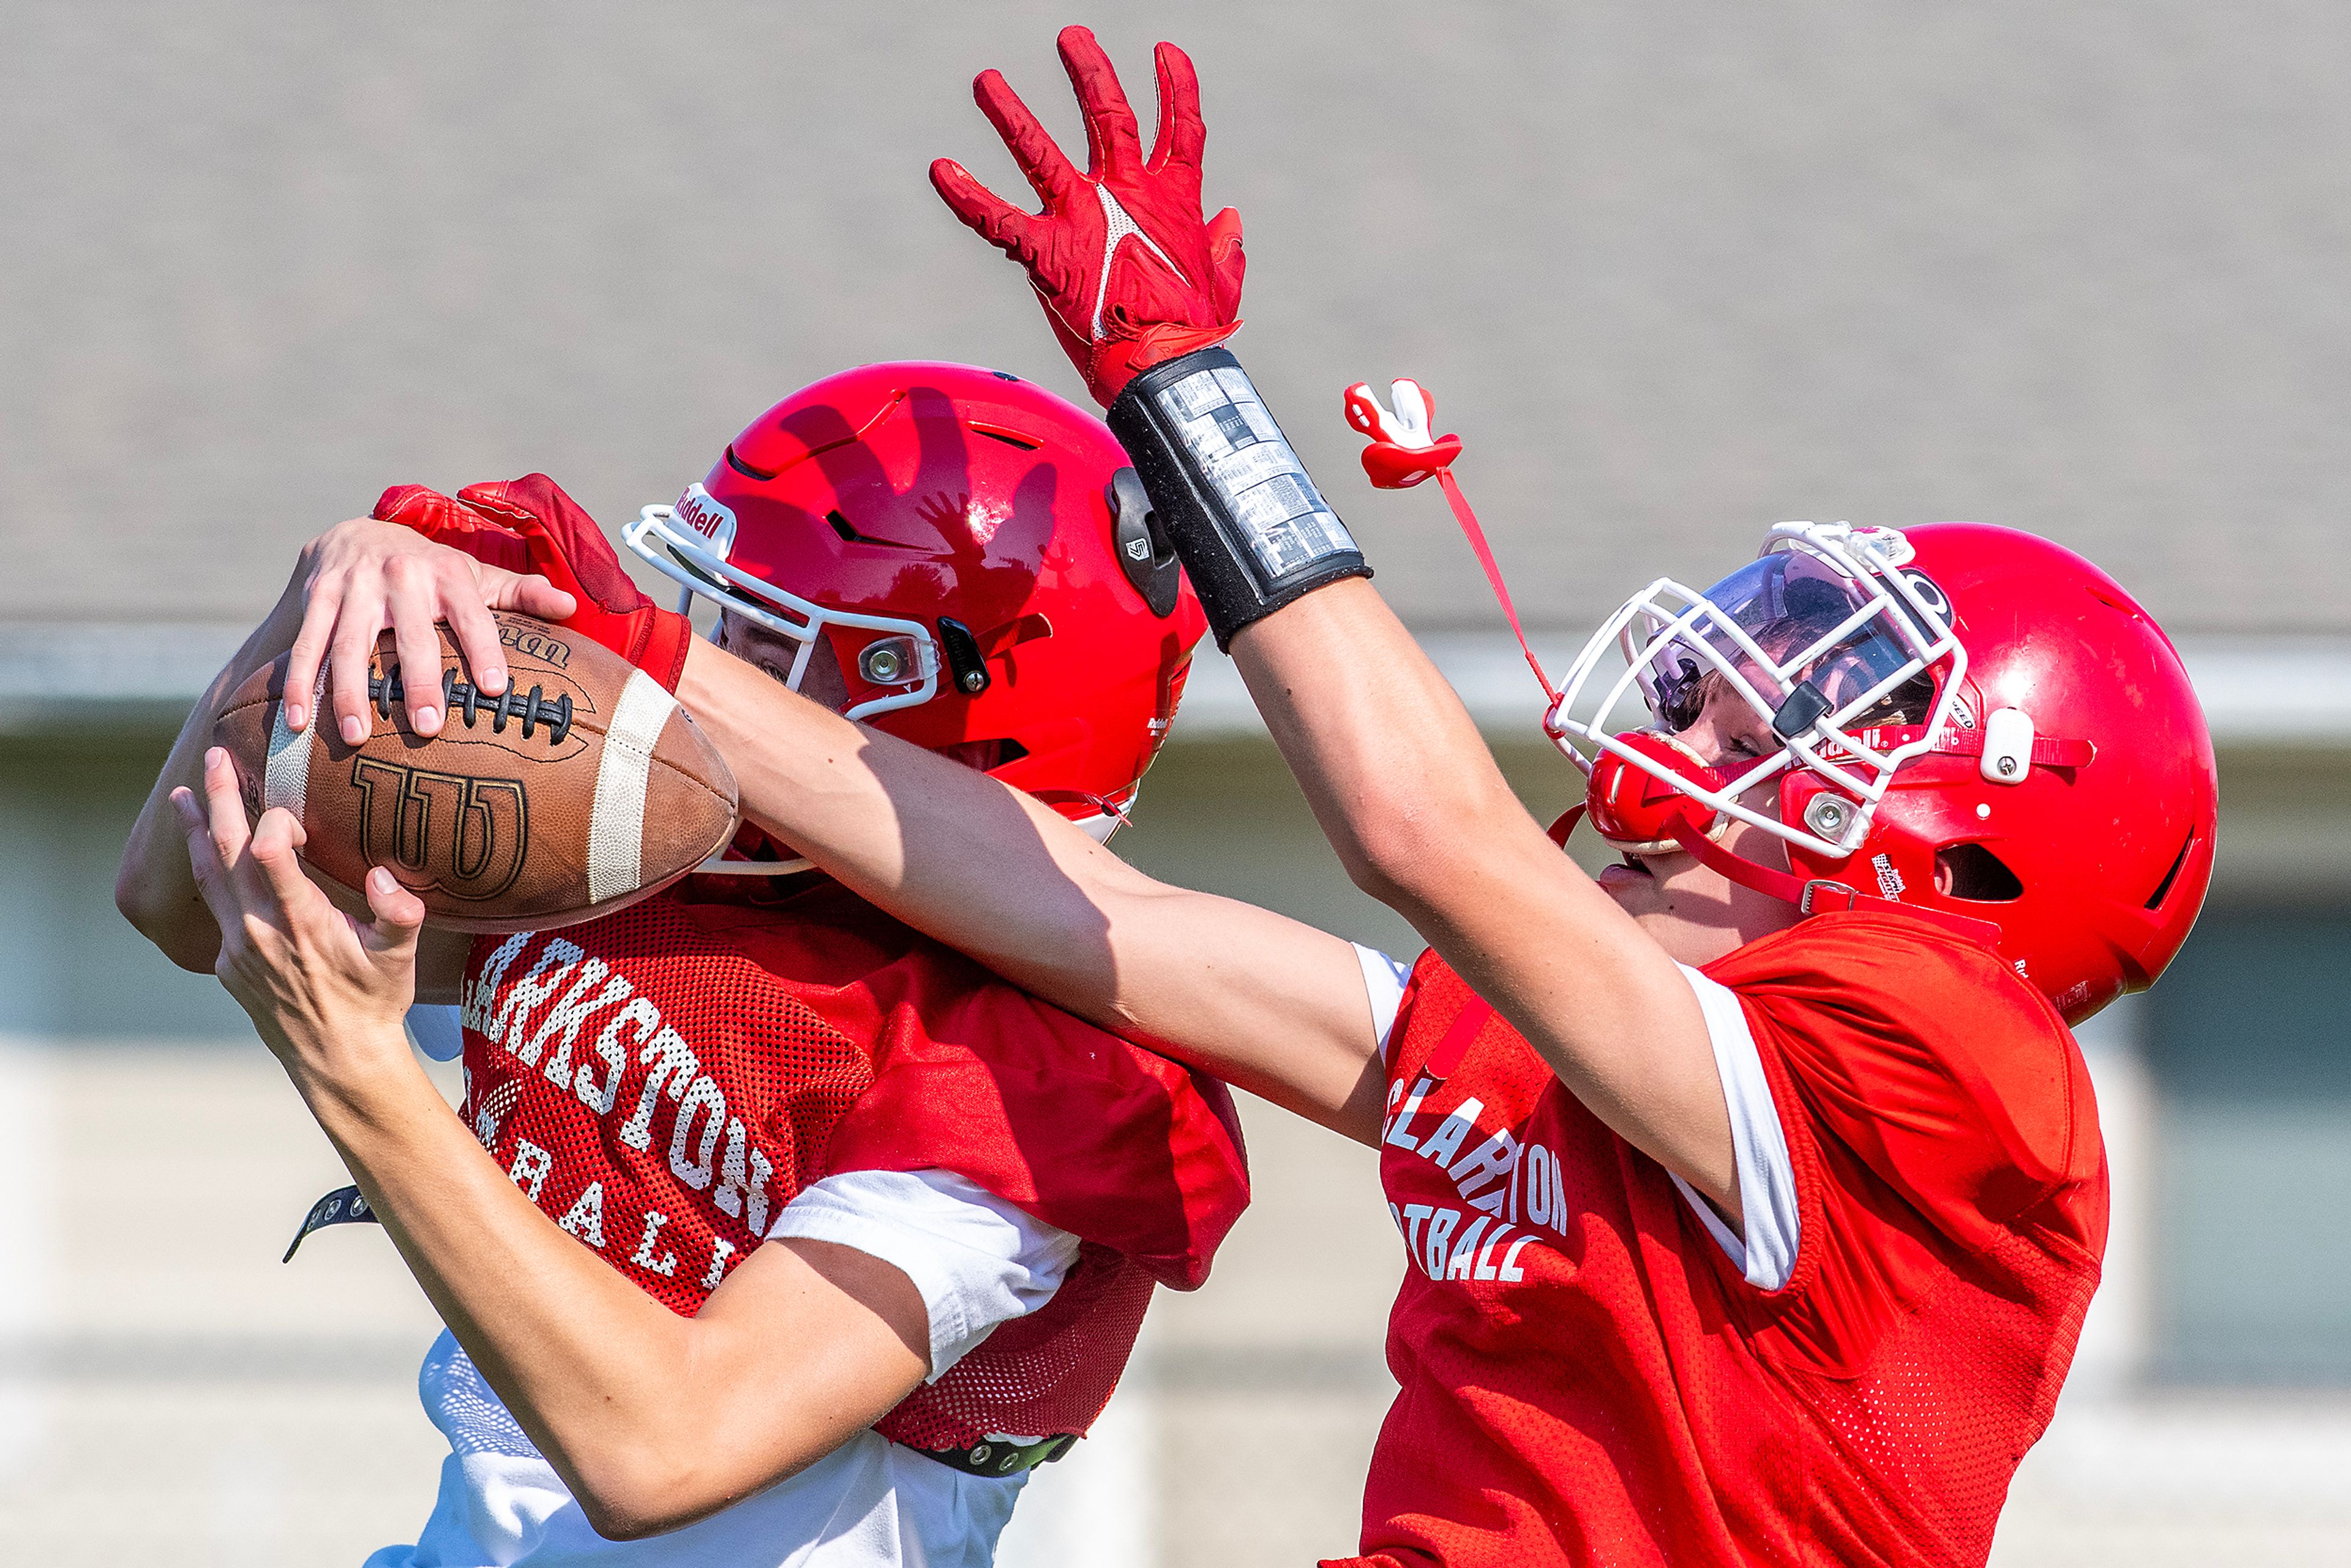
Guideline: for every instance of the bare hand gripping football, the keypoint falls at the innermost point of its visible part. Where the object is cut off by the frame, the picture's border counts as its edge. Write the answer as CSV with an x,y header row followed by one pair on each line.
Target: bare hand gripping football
x,y
579,790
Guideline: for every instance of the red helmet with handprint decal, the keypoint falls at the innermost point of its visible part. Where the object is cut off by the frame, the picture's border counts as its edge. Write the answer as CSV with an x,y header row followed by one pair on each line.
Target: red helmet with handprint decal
x,y
977,556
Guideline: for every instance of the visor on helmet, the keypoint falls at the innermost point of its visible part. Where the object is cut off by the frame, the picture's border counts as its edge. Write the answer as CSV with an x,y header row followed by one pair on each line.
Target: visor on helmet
x,y
1807,642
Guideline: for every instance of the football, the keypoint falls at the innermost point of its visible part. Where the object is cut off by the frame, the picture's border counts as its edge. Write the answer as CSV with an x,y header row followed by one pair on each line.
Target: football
x,y
582,789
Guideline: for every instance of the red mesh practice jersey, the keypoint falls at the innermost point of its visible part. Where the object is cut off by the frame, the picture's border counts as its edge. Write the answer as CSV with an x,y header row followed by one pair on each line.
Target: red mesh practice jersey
x,y
1588,1379
663,1081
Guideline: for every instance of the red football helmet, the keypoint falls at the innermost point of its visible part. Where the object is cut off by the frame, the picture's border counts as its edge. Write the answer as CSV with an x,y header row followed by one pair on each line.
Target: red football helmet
x,y
1973,722
978,555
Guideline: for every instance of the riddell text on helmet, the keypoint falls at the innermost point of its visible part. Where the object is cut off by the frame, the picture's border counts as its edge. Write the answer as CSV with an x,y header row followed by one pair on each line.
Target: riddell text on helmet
x,y
706,514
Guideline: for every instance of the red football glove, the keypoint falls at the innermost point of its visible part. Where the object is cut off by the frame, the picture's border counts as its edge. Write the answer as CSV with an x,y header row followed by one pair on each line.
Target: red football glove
x,y
1118,308
530,524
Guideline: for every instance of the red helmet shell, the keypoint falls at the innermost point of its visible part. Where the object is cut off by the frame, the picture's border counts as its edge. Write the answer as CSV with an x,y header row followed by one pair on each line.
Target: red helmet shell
x,y
936,492
2094,874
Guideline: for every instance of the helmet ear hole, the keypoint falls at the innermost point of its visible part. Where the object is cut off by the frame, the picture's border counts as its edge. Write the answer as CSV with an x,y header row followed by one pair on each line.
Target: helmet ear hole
x,y
1973,873
984,755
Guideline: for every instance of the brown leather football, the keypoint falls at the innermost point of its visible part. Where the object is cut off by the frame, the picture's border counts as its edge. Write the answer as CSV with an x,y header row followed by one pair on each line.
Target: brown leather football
x,y
582,789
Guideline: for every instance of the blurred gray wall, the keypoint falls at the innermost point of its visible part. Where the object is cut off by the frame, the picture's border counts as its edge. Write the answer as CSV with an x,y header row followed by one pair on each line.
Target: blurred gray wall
x,y
1677,271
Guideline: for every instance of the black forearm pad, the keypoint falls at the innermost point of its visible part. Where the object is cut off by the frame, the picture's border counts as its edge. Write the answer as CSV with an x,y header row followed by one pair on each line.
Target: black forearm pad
x,y
1228,493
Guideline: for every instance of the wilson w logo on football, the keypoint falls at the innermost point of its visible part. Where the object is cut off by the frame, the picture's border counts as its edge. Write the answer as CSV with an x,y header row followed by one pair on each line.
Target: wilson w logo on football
x,y
576,790
463,836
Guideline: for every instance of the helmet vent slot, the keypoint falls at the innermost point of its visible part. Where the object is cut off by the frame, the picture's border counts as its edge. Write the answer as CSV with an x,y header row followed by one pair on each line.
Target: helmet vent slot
x,y
1973,873
998,640
1008,437
744,468
849,534
2179,861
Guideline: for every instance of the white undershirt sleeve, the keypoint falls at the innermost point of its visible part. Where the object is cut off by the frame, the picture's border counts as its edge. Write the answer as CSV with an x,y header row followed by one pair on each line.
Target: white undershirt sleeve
x,y
1384,981
977,1261
1767,1178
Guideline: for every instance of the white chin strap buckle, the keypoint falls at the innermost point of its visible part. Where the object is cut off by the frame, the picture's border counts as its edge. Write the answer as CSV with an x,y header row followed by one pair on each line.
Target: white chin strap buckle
x,y
2007,746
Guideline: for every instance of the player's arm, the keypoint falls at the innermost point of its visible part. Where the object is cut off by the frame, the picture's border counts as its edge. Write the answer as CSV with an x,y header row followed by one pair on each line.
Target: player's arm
x,y
1266,1003
153,888
347,586
1398,775
652,1420
1418,811
1262,1001
1420,814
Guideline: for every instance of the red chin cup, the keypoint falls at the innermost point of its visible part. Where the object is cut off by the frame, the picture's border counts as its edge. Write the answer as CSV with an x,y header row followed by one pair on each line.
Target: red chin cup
x,y
1637,811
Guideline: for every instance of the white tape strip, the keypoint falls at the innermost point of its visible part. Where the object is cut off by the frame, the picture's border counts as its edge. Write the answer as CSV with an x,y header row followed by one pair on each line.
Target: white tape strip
x,y
616,823
286,777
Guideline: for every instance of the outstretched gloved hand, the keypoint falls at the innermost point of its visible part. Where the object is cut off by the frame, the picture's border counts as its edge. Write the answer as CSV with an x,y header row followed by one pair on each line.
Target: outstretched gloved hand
x,y
1129,274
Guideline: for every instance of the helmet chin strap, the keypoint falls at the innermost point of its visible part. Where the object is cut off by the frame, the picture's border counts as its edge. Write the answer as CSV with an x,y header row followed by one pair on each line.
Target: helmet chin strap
x,y
1819,895
718,865
732,862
